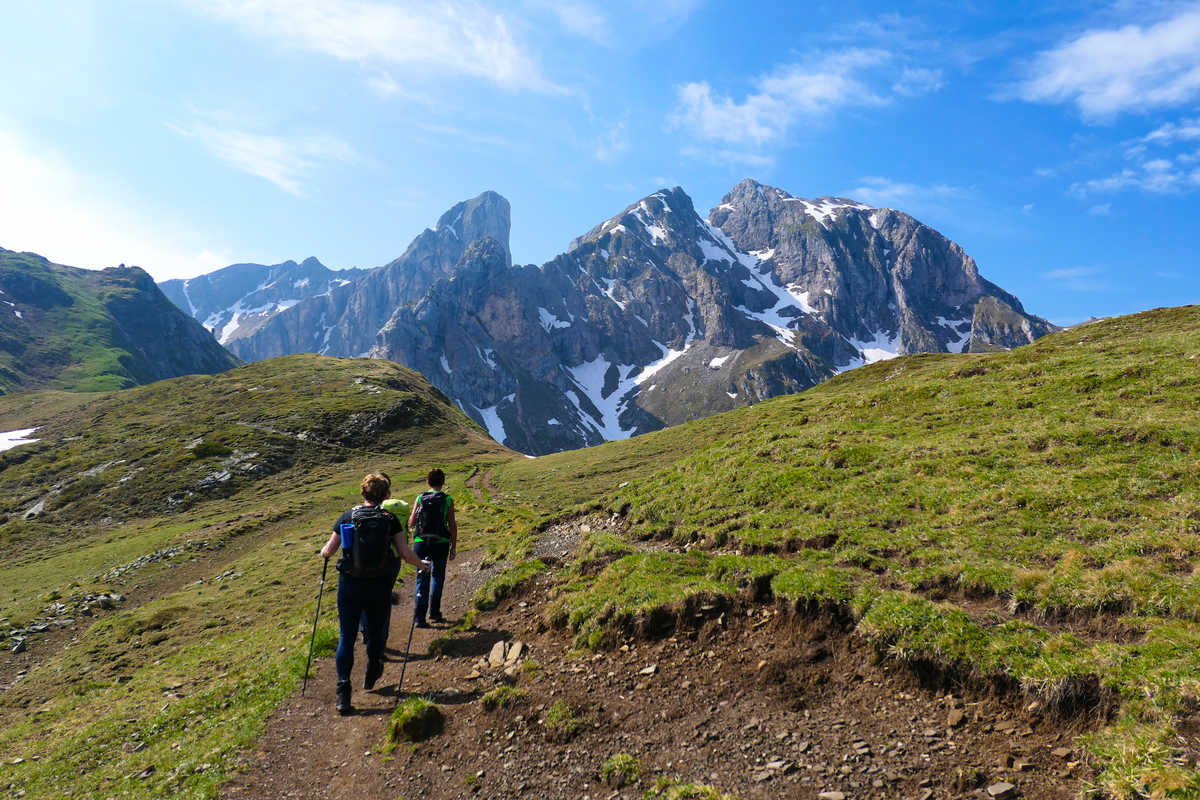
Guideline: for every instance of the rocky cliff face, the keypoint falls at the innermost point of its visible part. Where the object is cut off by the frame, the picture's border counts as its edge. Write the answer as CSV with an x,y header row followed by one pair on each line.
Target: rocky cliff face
x,y
881,279
89,330
656,316
344,321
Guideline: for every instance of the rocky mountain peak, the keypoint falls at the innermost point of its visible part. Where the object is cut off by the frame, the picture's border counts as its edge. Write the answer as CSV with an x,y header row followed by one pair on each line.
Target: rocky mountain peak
x,y
489,214
656,315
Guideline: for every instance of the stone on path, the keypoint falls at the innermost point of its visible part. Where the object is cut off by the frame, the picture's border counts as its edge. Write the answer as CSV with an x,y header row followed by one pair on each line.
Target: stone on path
x,y
832,796
496,657
1001,790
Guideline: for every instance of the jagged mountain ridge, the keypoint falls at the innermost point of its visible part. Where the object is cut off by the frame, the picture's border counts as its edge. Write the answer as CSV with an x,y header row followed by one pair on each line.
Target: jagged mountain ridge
x,y
234,301
89,330
657,315
345,321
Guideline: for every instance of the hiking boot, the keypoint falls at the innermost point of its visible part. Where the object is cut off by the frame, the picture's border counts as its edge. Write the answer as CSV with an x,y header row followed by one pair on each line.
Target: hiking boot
x,y
342,703
374,670
421,624
436,618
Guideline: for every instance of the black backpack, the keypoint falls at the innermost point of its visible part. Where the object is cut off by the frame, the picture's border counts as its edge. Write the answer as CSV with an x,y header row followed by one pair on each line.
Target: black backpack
x,y
370,553
431,516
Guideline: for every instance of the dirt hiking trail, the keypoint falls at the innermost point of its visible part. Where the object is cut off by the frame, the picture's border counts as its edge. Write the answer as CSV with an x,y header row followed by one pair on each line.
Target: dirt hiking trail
x,y
757,701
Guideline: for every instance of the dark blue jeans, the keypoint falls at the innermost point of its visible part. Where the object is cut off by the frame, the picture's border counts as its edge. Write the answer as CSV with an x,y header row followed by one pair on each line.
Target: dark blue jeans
x,y
356,597
387,614
429,584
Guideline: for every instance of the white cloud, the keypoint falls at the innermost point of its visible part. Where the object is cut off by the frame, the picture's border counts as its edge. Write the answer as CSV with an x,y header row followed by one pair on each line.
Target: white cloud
x,y
879,191
834,81
457,37
1158,176
938,201
915,81
582,19
1027,209
387,87
1161,162
728,156
1101,210
613,144
1078,279
283,161
1129,69
51,208
1182,131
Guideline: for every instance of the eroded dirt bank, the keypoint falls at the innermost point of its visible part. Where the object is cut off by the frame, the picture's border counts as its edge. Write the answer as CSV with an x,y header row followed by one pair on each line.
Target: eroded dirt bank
x,y
760,703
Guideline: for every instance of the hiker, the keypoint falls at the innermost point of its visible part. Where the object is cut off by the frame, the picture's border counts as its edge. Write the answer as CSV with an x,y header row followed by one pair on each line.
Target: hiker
x,y
435,537
368,537
399,509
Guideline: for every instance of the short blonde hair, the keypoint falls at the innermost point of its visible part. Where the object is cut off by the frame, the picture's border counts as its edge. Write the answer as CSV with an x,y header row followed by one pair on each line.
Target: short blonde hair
x,y
375,488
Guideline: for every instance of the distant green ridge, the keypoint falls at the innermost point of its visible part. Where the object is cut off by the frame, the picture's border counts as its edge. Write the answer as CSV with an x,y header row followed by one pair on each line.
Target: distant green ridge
x,y
93,330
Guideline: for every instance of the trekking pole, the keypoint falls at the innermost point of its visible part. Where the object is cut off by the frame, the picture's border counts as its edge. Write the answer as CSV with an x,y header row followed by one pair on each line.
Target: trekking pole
x,y
405,665
317,616
408,646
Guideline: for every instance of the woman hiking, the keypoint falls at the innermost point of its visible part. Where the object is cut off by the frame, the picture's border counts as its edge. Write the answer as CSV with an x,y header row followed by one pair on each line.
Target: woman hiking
x,y
368,537
435,537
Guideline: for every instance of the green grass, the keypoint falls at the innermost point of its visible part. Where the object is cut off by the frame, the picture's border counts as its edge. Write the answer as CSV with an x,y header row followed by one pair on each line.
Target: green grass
x,y
1060,482
184,681
414,719
507,583
676,789
620,770
502,697
76,326
1060,478
563,722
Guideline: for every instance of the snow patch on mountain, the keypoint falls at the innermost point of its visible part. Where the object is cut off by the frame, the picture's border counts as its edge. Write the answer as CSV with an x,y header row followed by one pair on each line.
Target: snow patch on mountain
x,y
11,439
786,297
607,290
590,378
492,421
549,321
883,346
823,209
956,326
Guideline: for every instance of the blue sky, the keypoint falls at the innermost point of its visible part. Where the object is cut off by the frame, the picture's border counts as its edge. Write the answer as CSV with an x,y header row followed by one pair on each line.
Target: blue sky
x,y
1057,142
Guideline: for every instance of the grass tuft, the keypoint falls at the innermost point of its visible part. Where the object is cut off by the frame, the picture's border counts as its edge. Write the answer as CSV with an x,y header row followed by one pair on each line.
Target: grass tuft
x,y
502,697
415,719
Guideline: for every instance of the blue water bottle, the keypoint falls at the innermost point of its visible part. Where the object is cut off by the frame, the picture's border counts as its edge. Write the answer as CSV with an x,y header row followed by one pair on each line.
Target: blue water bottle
x,y
346,530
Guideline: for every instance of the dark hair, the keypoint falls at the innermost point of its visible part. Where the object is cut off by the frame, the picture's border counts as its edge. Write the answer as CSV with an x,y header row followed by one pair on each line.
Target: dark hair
x,y
436,477
374,488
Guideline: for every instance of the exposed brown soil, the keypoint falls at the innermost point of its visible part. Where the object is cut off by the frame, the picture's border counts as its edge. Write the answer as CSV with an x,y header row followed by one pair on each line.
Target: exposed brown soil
x,y
761,703
480,480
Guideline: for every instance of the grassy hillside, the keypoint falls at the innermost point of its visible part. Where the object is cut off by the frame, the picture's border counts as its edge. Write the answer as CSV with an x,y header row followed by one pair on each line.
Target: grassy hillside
x,y
1023,521
93,330
1028,519
150,698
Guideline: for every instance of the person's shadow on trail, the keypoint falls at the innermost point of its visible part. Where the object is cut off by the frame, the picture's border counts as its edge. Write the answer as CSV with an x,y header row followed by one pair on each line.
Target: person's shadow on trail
x,y
475,642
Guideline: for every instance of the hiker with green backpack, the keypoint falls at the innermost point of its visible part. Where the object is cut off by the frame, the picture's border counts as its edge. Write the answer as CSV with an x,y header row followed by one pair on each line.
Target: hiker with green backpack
x,y
369,538
435,537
